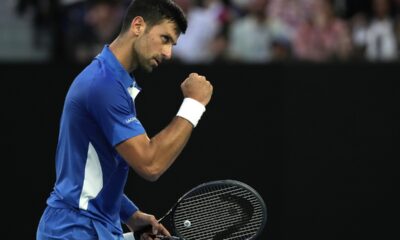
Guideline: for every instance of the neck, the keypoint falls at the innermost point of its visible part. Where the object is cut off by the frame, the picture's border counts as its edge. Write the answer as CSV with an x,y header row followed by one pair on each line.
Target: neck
x,y
121,47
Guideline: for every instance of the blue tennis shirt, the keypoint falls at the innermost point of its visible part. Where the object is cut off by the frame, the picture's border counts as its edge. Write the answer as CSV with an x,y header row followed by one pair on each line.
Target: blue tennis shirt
x,y
99,112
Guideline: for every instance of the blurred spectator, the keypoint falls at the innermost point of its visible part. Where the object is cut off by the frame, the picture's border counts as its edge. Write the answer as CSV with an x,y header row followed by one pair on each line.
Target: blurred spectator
x,y
89,25
289,15
323,37
251,37
71,27
204,26
26,30
42,20
358,24
281,49
103,18
240,4
380,37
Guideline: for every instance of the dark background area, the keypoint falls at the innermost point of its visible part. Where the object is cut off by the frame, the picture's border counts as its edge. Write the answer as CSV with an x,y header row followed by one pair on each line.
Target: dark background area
x,y
318,142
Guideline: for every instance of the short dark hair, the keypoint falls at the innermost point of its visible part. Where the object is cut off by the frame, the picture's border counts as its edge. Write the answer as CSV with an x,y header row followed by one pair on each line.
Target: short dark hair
x,y
154,12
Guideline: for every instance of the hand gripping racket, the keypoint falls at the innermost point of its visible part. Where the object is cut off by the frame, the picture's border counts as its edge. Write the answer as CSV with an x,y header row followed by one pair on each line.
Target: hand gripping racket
x,y
216,210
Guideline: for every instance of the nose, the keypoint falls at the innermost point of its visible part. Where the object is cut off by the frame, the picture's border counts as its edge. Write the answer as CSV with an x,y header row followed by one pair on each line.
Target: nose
x,y
167,52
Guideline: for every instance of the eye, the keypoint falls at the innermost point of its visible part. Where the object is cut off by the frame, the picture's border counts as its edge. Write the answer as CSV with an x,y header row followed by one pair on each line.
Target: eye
x,y
166,39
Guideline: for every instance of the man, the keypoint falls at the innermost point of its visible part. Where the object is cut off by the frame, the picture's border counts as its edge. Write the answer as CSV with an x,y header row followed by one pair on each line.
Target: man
x,y
101,137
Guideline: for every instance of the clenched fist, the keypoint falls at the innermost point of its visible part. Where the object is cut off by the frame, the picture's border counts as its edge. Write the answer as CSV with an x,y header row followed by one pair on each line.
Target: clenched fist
x,y
197,87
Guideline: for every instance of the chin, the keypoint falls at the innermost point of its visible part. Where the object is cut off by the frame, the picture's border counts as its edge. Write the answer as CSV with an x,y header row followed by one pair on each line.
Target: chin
x,y
147,68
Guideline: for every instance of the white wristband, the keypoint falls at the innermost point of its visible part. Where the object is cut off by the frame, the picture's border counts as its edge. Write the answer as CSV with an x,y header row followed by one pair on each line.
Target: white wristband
x,y
191,110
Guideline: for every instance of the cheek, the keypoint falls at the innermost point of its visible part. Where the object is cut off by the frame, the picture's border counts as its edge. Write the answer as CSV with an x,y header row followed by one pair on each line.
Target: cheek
x,y
153,46
142,48
146,48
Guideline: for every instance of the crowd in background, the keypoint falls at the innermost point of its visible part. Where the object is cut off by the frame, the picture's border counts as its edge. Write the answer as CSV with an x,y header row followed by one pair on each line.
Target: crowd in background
x,y
239,31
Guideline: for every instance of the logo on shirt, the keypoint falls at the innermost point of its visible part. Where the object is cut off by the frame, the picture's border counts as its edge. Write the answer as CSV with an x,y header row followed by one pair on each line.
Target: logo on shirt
x,y
131,119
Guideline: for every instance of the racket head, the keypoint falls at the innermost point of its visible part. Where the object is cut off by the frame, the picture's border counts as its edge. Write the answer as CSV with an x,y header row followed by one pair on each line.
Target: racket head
x,y
218,210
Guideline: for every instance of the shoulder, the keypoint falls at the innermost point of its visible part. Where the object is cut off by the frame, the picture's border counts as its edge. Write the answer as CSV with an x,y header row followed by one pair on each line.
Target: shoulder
x,y
101,80
106,91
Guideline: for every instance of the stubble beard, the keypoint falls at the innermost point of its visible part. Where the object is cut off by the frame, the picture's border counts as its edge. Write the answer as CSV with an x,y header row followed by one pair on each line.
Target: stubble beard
x,y
144,64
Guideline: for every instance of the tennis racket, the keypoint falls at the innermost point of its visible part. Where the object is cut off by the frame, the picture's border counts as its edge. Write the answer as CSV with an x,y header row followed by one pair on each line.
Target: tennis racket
x,y
216,210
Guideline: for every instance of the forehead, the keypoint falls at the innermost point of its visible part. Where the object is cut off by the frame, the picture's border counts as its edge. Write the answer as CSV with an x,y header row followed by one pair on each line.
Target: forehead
x,y
166,28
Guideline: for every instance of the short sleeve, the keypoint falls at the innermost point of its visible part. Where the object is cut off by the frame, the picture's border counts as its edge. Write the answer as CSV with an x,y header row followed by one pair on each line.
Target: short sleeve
x,y
113,109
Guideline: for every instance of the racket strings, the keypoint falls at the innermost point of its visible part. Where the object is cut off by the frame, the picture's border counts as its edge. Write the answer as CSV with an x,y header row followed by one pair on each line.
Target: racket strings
x,y
220,223
224,218
210,209
192,208
210,215
211,198
210,191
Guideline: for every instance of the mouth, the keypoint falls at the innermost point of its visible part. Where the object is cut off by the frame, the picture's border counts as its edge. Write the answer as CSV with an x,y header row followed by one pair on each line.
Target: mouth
x,y
157,62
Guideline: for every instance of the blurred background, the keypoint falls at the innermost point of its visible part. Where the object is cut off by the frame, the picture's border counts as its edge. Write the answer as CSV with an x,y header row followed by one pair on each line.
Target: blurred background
x,y
305,107
239,31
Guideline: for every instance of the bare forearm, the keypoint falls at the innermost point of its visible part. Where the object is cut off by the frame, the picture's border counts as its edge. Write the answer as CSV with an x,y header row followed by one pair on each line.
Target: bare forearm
x,y
169,143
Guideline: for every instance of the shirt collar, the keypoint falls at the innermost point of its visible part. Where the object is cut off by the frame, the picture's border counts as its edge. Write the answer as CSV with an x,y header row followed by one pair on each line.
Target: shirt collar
x,y
127,79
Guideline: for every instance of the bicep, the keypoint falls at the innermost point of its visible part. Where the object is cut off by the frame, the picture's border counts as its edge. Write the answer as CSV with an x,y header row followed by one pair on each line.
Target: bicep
x,y
136,151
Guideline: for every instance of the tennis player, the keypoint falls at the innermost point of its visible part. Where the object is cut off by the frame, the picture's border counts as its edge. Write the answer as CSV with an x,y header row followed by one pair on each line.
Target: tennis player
x,y
101,137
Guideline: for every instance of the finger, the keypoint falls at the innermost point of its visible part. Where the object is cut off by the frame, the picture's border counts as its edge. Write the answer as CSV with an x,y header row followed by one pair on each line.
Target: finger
x,y
146,236
155,225
163,230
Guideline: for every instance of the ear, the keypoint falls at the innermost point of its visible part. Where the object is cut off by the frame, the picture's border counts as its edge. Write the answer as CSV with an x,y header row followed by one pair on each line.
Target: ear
x,y
138,25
